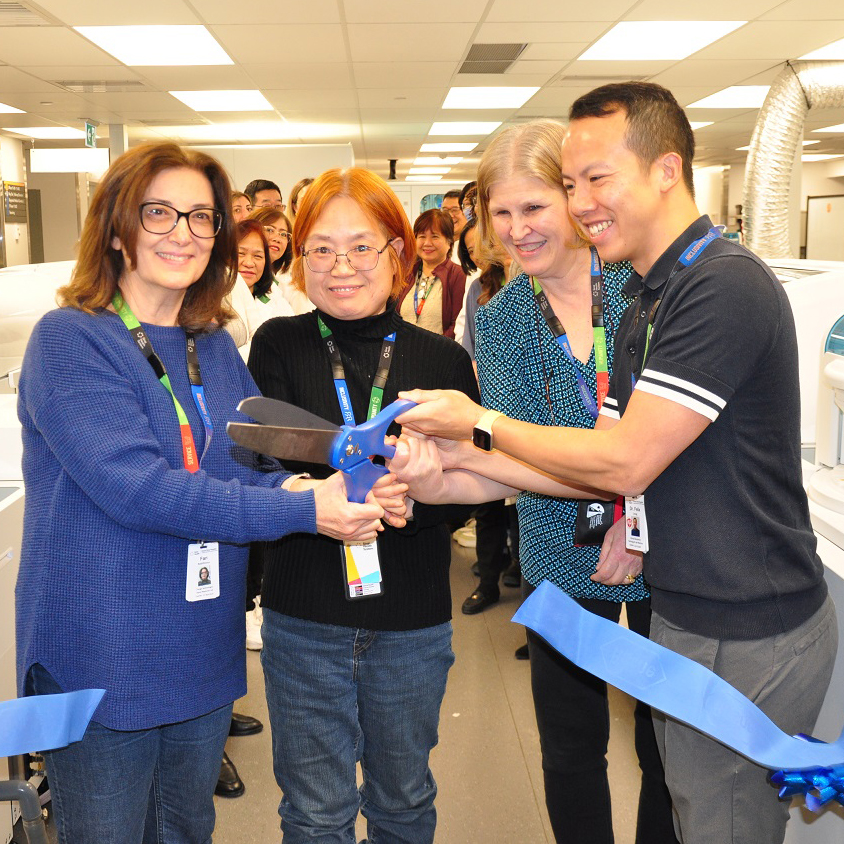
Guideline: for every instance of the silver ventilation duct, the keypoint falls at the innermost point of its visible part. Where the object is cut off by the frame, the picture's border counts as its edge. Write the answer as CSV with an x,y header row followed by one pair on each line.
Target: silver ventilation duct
x,y
776,138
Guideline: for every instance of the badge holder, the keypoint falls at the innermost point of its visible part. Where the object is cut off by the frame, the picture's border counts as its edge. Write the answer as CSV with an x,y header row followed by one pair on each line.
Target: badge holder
x,y
361,571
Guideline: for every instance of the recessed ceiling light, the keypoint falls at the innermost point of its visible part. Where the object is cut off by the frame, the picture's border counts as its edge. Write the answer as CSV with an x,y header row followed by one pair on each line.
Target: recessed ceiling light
x,y
223,100
819,156
838,128
699,124
46,133
422,178
736,96
7,109
488,97
835,50
147,46
657,40
434,161
463,128
747,148
428,171
457,147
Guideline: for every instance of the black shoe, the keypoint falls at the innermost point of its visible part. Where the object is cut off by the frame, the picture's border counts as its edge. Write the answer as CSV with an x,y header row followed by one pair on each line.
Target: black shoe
x,y
522,652
513,576
243,725
477,602
476,570
229,784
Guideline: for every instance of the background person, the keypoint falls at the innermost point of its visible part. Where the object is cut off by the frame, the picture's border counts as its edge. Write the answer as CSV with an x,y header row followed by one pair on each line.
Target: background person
x,y
297,192
263,193
241,206
451,206
111,477
360,678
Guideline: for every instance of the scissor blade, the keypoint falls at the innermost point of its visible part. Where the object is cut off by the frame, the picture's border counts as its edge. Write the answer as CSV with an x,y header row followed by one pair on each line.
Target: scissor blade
x,y
284,415
301,444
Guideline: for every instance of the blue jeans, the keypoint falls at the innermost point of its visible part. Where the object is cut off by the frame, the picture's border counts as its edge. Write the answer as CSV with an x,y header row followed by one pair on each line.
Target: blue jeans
x,y
341,695
151,786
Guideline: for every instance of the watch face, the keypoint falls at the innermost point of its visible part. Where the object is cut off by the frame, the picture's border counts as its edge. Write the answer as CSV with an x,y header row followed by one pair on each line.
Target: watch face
x,y
482,439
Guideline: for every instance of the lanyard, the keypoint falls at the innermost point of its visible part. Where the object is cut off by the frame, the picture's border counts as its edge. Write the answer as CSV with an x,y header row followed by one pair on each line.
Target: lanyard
x,y
194,374
339,374
599,336
417,305
686,260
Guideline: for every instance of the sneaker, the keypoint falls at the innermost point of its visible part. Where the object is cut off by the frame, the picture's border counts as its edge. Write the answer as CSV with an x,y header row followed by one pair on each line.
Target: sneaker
x,y
465,537
254,619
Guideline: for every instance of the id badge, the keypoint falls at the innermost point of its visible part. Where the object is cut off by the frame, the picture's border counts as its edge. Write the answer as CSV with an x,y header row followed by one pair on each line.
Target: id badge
x,y
361,571
635,523
203,575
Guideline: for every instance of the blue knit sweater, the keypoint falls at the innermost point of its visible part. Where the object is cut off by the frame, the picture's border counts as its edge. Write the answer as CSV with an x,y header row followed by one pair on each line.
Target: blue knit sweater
x,y
110,512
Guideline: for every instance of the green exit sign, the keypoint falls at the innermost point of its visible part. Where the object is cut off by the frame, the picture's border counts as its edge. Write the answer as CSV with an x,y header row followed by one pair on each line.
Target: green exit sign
x,y
90,135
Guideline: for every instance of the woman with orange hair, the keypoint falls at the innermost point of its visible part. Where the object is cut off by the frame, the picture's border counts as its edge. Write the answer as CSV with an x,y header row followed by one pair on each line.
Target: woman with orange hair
x,y
356,673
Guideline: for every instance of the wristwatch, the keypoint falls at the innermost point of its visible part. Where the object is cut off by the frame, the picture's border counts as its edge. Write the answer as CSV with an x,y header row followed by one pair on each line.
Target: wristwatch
x,y
482,432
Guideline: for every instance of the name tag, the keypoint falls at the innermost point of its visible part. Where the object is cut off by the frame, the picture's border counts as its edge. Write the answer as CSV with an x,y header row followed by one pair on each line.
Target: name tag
x,y
202,581
636,523
362,571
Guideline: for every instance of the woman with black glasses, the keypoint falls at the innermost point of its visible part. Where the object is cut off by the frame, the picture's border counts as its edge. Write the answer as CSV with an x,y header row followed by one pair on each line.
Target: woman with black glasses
x,y
124,397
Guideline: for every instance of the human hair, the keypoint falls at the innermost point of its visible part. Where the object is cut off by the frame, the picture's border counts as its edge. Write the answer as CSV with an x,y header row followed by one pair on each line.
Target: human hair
x,y
258,185
532,149
237,194
252,226
376,199
492,278
452,194
464,190
466,263
656,125
293,199
269,217
114,214
436,221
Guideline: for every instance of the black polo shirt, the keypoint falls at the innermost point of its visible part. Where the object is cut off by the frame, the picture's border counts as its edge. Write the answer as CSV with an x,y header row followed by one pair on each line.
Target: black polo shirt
x,y
732,554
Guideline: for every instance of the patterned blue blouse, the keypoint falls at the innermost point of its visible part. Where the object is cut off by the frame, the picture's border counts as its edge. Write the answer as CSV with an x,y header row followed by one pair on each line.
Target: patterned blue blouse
x,y
514,350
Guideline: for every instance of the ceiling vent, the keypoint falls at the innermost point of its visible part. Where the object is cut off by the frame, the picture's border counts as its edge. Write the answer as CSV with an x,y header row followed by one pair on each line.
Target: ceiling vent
x,y
100,86
14,14
491,58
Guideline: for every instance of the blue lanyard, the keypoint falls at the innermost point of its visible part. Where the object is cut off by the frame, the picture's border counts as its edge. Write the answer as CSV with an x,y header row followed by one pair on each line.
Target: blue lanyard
x,y
198,391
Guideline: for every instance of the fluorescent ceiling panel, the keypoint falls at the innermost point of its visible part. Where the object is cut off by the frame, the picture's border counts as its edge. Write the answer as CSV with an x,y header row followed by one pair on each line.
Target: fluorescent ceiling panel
x,y
47,133
434,161
428,171
838,128
488,97
457,147
736,96
422,178
77,160
700,124
139,46
7,109
819,156
834,51
223,100
657,40
463,128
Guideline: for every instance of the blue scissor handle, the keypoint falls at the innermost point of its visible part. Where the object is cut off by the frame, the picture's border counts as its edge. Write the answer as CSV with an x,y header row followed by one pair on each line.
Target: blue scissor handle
x,y
352,450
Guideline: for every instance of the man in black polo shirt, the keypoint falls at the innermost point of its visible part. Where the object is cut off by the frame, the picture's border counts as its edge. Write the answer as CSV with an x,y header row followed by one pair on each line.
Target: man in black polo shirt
x,y
703,418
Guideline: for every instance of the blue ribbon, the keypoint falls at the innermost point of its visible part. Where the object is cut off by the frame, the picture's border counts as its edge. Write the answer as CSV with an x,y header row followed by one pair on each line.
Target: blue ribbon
x,y
46,722
686,691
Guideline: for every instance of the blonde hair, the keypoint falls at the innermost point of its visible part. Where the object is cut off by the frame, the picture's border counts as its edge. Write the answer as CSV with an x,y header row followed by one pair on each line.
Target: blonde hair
x,y
532,149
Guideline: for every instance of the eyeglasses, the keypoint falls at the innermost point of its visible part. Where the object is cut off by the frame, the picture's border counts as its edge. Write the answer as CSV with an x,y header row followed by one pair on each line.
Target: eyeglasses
x,y
272,231
158,218
321,259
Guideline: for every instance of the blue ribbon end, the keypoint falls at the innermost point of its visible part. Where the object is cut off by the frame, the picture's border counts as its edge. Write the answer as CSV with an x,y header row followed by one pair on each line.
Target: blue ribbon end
x,y
819,785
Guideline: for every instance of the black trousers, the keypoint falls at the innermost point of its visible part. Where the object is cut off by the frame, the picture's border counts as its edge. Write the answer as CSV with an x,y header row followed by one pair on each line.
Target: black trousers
x,y
573,720
491,523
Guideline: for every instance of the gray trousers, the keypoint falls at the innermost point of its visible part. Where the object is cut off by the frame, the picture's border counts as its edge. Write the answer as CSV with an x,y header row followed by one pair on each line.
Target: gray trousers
x,y
719,797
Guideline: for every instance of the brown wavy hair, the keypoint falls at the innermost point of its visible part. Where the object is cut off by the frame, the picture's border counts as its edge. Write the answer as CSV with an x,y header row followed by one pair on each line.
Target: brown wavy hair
x,y
269,217
113,213
376,199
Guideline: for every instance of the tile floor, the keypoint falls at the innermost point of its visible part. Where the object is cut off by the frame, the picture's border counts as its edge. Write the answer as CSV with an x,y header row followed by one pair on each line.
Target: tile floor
x,y
487,764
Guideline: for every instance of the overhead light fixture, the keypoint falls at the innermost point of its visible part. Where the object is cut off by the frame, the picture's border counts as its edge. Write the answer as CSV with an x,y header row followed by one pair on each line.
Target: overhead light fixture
x,y
444,147
747,148
700,124
223,100
422,178
7,109
428,171
838,128
157,45
736,96
46,133
657,40
463,128
77,160
434,161
819,156
835,50
488,97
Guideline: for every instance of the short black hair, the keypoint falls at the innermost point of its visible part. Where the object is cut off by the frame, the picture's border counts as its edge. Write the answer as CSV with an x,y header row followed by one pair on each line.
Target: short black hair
x,y
260,184
465,189
452,194
466,263
656,124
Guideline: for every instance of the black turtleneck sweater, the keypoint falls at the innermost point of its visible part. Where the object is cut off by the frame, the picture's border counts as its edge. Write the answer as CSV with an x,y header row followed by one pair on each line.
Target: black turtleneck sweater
x,y
303,575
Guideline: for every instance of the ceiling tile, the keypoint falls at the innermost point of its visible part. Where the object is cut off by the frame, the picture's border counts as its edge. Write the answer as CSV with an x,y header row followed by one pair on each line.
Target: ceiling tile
x,y
99,73
509,33
13,80
409,42
509,78
300,75
551,51
98,13
445,12
622,70
670,10
209,78
800,10
296,42
774,40
406,74
557,10
140,101
319,98
263,13
720,74
35,46
402,98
